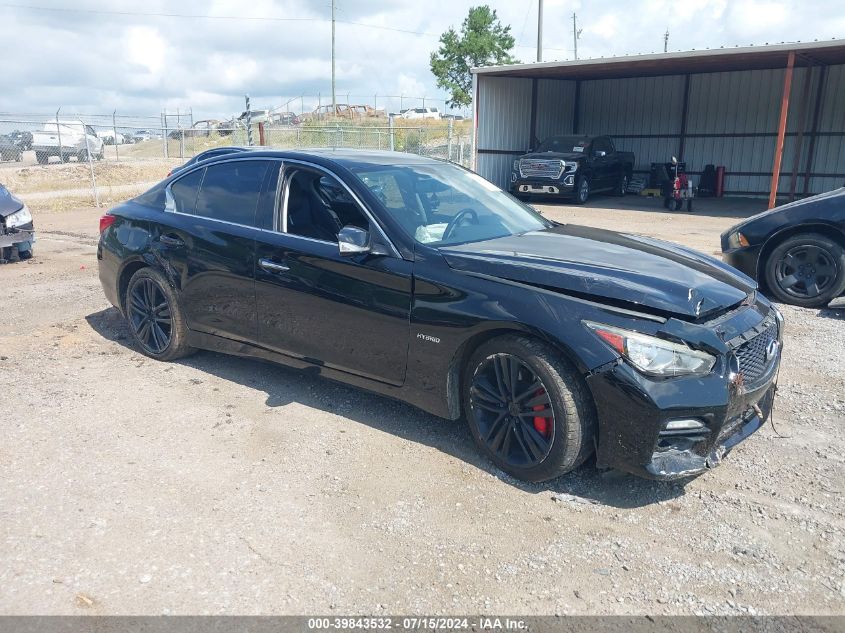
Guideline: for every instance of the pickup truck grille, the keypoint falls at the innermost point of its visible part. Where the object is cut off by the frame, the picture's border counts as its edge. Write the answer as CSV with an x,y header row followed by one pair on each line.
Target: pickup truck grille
x,y
752,354
539,168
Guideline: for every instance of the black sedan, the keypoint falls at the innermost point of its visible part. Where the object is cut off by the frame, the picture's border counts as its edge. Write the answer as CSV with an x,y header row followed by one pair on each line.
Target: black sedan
x,y
797,250
420,280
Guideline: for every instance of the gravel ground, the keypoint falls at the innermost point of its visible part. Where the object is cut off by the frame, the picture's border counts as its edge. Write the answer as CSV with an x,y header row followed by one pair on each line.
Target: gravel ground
x,y
224,485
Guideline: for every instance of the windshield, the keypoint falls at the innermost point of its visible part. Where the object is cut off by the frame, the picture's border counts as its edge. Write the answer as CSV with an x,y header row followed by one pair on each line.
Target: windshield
x,y
564,144
445,204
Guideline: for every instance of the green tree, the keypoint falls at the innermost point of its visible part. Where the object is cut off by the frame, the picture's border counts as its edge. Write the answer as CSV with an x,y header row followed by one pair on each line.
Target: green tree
x,y
483,41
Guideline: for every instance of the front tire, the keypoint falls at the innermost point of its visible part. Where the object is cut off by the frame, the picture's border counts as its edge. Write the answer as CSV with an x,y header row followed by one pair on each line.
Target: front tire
x,y
154,317
41,157
806,270
582,193
528,410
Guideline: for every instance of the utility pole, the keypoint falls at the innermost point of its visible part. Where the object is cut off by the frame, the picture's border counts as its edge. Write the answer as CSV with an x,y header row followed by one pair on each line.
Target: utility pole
x,y
666,41
540,31
334,98
576,33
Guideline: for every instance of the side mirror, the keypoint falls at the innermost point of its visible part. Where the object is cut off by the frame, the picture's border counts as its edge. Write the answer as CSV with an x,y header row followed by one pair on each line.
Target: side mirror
x,y
599,153
353,241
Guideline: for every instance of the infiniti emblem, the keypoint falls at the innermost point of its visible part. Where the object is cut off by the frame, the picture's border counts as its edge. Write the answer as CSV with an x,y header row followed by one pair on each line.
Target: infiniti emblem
x,y
771,349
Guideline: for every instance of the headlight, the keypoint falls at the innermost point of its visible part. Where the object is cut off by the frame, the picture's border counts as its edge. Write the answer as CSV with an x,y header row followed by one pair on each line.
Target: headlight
x,y
652,355
19,218
516,165
737,240
570,166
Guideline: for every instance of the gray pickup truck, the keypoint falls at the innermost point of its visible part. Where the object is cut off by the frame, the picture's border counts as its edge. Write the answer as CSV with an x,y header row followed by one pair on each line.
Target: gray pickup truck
x,y
573,166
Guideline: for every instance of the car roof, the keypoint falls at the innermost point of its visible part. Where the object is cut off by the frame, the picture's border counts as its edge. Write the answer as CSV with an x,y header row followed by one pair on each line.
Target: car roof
x,y
349,158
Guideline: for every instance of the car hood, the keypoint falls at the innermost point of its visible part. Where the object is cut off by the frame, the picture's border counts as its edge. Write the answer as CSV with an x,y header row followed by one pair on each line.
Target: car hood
x,y
8,202
624,269
554,155
835,197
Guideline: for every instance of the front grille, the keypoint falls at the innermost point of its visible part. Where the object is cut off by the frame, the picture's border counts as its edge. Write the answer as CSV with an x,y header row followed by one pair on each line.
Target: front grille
x,y
537,168
752,354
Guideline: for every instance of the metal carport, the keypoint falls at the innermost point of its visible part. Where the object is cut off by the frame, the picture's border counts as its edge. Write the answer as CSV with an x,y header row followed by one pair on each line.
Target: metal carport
x,y
774,116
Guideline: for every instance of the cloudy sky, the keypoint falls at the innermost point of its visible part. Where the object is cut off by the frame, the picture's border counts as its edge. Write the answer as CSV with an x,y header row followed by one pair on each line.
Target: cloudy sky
x,y
140,57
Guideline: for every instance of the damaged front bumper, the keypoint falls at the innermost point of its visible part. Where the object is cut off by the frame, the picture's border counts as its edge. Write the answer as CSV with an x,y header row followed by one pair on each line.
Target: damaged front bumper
x,y
15,237
679,427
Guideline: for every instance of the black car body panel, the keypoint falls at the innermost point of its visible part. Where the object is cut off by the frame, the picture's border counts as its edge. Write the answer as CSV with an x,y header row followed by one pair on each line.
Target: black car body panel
x,y
823,213
628,269
402,324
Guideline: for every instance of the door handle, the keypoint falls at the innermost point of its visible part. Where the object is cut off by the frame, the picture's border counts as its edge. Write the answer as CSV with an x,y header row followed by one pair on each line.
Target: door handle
x,y
271,266
172,242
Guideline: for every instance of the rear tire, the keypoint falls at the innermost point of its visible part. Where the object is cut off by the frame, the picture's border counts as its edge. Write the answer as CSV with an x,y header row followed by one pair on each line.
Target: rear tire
x,y
621,186
542,422
41,157
806,270
154,317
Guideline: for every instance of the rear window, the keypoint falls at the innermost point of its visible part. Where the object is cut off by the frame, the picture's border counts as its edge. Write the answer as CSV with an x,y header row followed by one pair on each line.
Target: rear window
x,y
230,191
184,192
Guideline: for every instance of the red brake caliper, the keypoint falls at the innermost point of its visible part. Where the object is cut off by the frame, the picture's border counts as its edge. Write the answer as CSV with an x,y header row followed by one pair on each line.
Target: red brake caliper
x,y
541,425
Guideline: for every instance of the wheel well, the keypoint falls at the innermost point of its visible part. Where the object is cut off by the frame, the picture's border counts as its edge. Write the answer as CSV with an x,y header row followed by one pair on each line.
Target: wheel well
x,y
467,349
130,269
772,243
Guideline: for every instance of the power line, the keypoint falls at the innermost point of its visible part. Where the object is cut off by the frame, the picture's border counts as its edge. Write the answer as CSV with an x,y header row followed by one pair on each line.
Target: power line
x,y
195,16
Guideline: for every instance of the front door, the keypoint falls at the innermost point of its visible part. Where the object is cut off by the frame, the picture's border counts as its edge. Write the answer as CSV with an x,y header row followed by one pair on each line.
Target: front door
x,y
346,312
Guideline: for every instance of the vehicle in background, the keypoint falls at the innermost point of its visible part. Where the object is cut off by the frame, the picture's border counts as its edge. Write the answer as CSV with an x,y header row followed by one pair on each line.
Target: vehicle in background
x,y
9,149
345,111
420,280
66,139
255,117
206,127
420,113
144,135
110,137
454,117
284,118
22,139
209,153
17,233
573,166
797,250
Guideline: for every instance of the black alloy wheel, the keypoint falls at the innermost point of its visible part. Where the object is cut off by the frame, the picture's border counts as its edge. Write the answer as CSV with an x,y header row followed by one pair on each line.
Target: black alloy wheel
x,y
150,316
513,411
806,272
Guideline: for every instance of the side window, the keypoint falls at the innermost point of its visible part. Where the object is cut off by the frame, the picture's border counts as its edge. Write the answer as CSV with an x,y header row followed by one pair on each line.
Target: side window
x,y
318,206
183,192
230,191
267,203
601,144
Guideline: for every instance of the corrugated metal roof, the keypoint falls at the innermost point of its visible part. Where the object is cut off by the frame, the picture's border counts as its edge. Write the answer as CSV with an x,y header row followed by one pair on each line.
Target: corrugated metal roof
x,y
715,60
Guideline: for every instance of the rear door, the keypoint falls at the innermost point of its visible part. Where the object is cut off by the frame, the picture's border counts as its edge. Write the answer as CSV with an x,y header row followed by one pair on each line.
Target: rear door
x,y
207,243
347,312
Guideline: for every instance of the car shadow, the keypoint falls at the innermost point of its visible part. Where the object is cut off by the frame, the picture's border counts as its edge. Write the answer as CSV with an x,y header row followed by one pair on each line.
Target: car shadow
x,y
283,385
835,312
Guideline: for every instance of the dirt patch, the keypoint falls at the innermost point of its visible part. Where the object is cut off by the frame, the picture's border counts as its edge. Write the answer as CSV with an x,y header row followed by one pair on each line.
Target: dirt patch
x,y
225,485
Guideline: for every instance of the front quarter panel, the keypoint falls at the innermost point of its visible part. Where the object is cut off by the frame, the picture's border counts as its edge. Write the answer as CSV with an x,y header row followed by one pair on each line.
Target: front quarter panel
x,y
454,311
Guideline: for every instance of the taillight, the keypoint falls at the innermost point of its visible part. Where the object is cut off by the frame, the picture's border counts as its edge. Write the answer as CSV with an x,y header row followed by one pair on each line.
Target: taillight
x,y
169,174
106,221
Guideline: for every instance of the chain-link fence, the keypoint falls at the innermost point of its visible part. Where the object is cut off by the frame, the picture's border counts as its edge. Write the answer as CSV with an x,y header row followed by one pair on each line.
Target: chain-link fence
x,y
106,158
